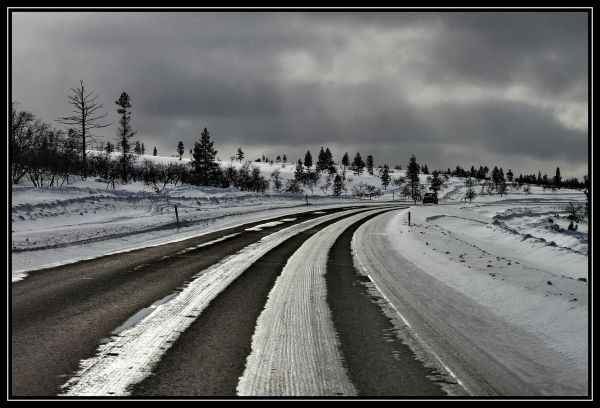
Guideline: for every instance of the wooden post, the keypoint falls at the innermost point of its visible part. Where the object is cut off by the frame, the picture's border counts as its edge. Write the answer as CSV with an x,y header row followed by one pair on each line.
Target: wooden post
x,y
177,215
393,194
306,199
409,218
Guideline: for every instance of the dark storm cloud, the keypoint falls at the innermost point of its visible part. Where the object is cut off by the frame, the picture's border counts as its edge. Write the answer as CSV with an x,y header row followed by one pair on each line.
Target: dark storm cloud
x,y
440,85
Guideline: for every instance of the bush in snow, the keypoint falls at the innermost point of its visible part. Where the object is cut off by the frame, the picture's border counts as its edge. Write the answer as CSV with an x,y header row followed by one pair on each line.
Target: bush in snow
x,y
293,186
575,213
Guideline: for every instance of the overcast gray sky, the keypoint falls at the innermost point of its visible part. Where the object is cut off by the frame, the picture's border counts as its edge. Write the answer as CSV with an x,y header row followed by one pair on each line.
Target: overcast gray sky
x,y
495,88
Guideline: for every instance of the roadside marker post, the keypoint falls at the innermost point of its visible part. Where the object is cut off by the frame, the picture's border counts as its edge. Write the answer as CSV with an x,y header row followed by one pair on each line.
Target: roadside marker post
x,y
177,215
409,218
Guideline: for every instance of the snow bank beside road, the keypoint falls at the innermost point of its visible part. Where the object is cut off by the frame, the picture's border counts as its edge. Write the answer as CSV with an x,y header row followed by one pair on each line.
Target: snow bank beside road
x,y
505,320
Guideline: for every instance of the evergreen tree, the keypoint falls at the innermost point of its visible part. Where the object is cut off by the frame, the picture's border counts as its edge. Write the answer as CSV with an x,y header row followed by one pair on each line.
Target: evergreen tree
x,y
329,163
203,161
125,132
284,159
138,148
358,164
557,178
496,176
436,182
180,149
143,150
321,161
385,176
345,164
470,193
308,160
155,152
539,177
278,159
412,175
240,154
338,185
370,164
299,172
425,169
501,188
509,175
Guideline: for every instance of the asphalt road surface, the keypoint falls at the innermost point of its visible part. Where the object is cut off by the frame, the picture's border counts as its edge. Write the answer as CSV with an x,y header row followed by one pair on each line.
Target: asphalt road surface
x,y
60,316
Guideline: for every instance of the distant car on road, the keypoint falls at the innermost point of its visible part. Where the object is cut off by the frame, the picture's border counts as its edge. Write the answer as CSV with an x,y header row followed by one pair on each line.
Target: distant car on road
x,y
430,198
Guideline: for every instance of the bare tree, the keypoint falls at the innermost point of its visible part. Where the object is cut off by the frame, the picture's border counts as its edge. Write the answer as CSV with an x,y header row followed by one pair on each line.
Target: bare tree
x,y
85,117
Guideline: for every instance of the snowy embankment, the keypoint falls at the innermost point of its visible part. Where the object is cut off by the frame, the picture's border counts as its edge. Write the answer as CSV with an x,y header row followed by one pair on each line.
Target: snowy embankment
x,y
58,225
130,356
504,303
63,225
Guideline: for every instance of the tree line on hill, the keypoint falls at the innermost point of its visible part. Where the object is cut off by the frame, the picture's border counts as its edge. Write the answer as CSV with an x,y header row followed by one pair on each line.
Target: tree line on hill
x,y
49,157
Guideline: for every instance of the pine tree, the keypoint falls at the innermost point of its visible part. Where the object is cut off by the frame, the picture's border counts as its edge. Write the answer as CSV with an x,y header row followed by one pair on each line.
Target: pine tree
x,y
321,161
203,161
370,164
299,172
143,149
138,148
345,164
470,193
557,178
155,152
385,176
284,159
358,164
180,149
436,182
338,185
495,176
329,163
425,169
308,160
125,132
240,154
509,175
412,174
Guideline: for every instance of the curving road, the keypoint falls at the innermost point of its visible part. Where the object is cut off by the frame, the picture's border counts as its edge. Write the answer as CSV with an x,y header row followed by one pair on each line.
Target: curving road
x,y
270,308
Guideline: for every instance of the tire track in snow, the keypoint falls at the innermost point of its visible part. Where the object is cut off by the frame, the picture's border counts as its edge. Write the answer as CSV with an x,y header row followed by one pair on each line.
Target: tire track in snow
x,y
378,362
294,348
210,356
130,357
59,315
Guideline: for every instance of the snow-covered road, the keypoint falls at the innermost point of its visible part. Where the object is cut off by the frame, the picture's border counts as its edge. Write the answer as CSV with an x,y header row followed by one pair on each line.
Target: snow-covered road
x,y
498,330
294,349
130,357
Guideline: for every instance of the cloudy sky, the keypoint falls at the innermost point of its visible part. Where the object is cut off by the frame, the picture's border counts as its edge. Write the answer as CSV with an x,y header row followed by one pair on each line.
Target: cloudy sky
x,y
452,88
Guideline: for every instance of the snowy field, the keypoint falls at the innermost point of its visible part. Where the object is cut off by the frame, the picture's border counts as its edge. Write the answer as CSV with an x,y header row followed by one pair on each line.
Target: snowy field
x,y
493,277
500,278
57,225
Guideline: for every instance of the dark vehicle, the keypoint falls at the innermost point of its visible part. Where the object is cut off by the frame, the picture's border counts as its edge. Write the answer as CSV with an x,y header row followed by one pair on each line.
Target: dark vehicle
x,y
430,198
